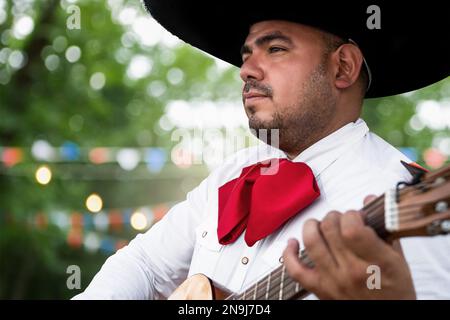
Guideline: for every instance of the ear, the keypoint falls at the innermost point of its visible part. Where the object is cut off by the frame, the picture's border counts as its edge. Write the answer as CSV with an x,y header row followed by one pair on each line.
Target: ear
x,y
348,59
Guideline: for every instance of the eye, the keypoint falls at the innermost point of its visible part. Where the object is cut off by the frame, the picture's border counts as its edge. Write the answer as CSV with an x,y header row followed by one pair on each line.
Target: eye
x,y
276,49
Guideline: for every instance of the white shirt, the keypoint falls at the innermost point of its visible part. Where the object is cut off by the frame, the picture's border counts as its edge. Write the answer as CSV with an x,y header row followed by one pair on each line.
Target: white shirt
x,y
348,165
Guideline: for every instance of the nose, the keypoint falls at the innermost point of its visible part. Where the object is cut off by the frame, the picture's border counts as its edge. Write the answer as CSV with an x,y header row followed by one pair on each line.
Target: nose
x,y
251,69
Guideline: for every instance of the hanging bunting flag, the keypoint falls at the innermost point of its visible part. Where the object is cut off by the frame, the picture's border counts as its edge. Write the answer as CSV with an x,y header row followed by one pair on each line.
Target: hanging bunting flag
x,y
60,219
99,155
82,228
88,221
75,237
11,156
120,244
155,159
76,220
41,220
70,151
115,220
101,221
43,151
434,158
91,242
107,246
411,153
128,158
159,211
126,217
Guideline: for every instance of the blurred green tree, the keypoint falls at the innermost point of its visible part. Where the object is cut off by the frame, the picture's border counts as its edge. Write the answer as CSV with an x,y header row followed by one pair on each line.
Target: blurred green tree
x,y
108,83
98,85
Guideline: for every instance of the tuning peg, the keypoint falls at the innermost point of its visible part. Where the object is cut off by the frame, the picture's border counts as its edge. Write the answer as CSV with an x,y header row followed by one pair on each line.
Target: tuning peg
x,y
445,226
439,227
441,206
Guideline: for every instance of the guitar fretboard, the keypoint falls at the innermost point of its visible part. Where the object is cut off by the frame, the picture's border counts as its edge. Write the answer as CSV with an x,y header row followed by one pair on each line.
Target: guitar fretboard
x,y
278,285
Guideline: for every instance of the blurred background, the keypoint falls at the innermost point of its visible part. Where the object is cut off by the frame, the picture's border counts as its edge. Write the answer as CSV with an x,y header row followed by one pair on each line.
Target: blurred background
x,y
106,121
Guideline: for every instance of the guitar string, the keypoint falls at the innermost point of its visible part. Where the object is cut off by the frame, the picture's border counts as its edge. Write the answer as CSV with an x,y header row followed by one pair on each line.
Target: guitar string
x,y
274,292
405,217
288,283
276,274
289,289
373,219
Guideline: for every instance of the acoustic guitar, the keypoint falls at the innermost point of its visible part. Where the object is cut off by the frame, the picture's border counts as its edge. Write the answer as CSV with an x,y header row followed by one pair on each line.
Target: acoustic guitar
x,y
416,208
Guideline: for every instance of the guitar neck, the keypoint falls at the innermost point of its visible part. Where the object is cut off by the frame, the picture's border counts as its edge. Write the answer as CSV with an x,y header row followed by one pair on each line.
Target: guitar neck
x,y
277,285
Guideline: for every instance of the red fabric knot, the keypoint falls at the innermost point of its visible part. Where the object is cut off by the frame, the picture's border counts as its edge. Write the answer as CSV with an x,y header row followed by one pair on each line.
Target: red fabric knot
x,y
263,198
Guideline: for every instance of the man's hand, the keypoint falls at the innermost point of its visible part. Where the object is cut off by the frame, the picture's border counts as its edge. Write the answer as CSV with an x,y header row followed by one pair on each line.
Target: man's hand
x,y
342,249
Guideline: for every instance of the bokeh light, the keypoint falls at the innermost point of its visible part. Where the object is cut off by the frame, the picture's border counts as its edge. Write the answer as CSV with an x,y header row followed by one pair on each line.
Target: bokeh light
x,y
94,203
43,175
23,26
73,54
97,81
139,220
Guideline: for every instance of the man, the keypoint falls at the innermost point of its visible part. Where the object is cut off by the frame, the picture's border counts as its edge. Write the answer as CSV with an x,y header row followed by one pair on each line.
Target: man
x,y
308,85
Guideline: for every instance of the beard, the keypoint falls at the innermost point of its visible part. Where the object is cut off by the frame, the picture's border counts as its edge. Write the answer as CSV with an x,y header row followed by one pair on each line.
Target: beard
x,y
297,126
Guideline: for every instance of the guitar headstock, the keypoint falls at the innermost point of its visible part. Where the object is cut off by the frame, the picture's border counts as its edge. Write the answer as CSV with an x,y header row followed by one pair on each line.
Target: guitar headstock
x,y
421,208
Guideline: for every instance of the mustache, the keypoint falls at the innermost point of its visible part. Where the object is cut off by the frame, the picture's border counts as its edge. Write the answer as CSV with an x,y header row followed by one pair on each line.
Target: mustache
x,y
257,86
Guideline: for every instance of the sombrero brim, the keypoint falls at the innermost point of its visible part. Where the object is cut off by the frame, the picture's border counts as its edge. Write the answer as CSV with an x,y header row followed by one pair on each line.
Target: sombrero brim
x,y
411,50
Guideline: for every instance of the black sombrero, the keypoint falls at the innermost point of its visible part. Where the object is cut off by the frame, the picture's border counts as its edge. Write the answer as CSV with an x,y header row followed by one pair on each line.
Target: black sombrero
x,y
410,50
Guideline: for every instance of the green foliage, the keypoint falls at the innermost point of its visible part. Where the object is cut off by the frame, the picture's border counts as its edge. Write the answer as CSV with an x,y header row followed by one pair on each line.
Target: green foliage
x,y
59,104
51,98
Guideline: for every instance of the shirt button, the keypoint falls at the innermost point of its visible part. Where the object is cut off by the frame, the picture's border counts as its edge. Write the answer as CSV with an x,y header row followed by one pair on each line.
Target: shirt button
x,y
204,234
244,260
281,259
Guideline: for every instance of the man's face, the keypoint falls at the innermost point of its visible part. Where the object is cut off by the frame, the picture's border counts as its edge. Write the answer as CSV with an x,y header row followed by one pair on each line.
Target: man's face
x,y
286,83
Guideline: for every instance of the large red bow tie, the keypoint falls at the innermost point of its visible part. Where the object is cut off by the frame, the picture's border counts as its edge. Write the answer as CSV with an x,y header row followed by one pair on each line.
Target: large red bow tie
x,y
263,198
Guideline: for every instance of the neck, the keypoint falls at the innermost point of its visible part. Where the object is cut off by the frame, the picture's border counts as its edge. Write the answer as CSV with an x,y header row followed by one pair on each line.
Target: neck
x,y
292,154
333,126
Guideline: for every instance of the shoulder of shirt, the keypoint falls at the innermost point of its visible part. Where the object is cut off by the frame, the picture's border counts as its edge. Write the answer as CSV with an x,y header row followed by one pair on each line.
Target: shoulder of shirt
x,y
370,166
382,157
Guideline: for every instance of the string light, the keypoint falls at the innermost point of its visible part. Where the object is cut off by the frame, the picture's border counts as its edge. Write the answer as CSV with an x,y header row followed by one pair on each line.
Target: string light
x,y
94,203
43,175
138,220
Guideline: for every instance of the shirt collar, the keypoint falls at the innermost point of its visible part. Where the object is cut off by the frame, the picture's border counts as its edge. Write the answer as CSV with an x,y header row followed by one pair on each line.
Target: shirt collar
x,y
324,152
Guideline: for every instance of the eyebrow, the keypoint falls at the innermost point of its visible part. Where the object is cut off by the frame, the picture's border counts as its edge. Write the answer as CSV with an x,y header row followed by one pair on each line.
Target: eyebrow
x,y
276,35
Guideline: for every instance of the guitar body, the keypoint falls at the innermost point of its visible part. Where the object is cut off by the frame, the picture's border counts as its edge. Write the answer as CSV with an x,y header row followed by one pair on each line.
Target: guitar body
x,y
197,287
